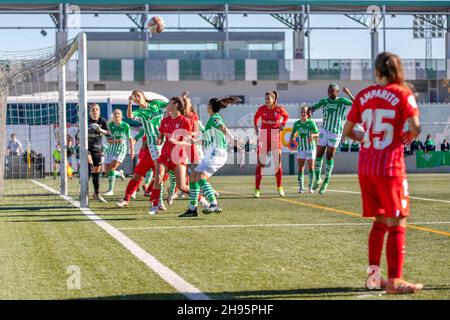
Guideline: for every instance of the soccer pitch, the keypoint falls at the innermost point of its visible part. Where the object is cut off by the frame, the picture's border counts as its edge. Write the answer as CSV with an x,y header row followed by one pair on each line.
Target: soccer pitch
x,y
297,247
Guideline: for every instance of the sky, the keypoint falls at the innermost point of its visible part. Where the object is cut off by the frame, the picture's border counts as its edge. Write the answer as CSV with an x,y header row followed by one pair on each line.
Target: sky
x,y
325,44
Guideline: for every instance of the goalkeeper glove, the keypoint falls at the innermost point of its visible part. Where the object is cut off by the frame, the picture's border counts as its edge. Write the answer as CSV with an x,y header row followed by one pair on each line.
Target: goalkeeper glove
x,y
96,127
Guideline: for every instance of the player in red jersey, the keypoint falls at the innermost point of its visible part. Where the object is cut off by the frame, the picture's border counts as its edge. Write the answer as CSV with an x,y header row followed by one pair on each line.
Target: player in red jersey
x,y
144,165
177,131
383,109
269,138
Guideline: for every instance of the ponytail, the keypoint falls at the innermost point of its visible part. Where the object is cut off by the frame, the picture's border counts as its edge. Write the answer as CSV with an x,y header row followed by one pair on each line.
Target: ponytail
x,y
390,66
217,104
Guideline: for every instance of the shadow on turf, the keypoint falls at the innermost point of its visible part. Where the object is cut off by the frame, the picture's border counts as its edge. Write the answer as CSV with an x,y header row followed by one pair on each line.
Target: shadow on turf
x,y
17,209
296,294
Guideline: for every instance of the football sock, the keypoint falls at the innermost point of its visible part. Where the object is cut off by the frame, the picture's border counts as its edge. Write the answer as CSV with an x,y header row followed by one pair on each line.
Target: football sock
x,y
111,179
376,242
131,188
172,182
155,197
258,176
194,191
311,178
300,178
328,169
395,251
279,177
318,168
96,181
208,191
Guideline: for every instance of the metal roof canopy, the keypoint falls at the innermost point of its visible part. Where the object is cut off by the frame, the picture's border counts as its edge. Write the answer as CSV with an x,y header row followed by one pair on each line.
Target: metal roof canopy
x,y
235,6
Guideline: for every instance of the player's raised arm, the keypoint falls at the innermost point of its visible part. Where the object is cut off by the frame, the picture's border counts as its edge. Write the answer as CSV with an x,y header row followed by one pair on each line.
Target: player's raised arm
x,y
348,93
130,114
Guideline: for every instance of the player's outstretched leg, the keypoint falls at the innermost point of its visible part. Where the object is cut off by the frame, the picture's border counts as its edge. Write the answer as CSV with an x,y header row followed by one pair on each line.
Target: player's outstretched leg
x,y
329,165
317,173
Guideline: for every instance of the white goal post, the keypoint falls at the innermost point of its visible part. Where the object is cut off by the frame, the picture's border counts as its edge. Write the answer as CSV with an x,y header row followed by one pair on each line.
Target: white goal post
x,y
30,107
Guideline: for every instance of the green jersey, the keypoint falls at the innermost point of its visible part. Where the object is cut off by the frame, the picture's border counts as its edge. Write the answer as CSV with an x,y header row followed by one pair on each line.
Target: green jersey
x,y
333,113
303,130
150,119
212,135
118,132
57,155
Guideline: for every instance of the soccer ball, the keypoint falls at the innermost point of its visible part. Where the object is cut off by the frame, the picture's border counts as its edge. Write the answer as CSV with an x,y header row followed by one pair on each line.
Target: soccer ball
x,y
358,131
156,24
293,146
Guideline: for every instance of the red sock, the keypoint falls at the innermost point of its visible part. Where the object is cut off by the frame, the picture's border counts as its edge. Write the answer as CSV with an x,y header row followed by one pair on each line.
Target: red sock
x,y
132,186
150,187
376,241
155,197
279,176
258,176
395,251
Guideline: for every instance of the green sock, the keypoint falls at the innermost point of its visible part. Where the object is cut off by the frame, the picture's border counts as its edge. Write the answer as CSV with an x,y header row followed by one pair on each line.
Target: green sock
x,y
161,194
318,167
311,178
208,191
148,177
194,191
111,179
300,177
328,169
172,182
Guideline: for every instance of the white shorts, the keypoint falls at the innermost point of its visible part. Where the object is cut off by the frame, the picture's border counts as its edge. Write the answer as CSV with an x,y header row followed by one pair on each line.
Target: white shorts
x,y
214,159
155,151
328,139
306,154
114,157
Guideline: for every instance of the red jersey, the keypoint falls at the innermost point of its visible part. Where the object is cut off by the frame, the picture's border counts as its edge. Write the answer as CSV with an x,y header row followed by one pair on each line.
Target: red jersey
x,y
179,128
271,118
383,112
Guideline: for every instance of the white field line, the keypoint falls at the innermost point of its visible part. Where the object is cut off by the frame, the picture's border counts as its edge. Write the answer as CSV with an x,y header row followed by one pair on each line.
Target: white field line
x,y
357,192
173,279
281,225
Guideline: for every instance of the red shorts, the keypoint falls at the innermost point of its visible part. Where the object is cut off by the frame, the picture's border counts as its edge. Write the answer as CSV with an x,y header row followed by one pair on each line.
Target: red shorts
x,y
145,163
169,164
386,196
268,141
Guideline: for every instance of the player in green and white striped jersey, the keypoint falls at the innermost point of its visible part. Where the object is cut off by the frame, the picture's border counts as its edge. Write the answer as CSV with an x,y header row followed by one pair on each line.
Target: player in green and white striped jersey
x,y
117,147
215,141
305,131
149,114
334,112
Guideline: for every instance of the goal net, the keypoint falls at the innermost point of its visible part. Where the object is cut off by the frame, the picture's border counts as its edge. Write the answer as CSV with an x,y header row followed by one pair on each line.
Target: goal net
x,y
41,153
